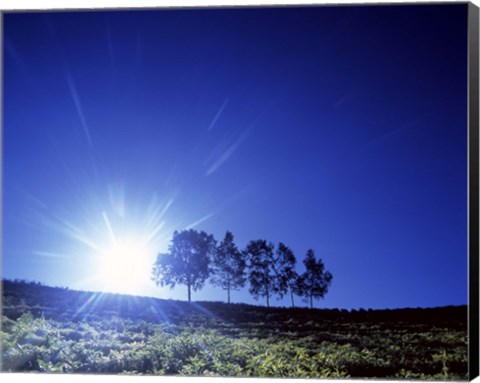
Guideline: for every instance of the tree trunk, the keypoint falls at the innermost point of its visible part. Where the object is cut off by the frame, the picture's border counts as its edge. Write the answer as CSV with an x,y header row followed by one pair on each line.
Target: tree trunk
x,y
228,294
266,289
291,295
189,293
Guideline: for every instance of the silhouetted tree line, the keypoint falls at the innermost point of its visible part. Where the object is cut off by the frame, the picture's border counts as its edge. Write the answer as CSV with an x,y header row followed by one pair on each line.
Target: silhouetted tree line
x,y
194,257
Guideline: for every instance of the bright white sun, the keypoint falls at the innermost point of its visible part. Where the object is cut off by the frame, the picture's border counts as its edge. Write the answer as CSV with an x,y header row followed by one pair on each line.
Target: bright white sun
x,y
125,267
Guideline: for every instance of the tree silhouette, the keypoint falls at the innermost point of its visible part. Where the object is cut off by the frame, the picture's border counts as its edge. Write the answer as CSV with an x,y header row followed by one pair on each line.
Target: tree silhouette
x,y
287,277
314,282
228,266
187,261
261,265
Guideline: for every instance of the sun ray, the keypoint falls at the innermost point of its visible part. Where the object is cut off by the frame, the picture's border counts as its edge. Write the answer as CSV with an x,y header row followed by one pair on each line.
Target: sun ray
x,y
227,153
78,106
48,254
109,227
153,233
201,220
219,113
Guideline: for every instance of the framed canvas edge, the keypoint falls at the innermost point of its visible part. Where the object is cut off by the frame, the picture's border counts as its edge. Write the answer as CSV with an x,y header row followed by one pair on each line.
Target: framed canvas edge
x,y
473,168
473,149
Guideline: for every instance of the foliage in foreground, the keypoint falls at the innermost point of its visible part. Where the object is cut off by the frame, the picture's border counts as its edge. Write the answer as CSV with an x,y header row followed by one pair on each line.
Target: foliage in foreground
x,y
111,334
125,346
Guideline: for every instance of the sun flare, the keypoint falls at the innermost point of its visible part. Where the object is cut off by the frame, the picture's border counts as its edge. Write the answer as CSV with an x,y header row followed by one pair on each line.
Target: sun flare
x,y
125,266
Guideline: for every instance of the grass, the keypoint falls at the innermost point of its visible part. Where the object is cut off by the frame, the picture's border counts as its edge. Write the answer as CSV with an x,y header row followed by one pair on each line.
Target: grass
x,y
57,330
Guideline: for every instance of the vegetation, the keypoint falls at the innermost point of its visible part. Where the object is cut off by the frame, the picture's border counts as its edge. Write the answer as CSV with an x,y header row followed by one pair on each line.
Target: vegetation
x,y
228,271
287,276
58,330
187,262
261,266
314,282
194,257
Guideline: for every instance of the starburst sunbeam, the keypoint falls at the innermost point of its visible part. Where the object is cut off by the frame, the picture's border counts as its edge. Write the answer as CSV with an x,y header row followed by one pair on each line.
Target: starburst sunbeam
x,y
78,107
219,113
109,227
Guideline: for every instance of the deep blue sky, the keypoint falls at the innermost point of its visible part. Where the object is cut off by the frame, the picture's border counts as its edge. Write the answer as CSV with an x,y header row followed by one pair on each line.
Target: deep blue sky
x,y
341,129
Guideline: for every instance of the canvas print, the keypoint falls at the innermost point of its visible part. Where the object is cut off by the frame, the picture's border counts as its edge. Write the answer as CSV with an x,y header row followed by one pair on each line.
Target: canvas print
x,y
236,192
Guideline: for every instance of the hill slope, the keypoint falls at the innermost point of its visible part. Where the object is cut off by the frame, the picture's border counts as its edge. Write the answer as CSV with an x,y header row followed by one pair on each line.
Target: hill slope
x,y
55,329
63,304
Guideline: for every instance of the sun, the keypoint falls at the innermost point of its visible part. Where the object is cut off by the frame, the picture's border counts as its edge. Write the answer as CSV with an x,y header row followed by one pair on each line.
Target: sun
x,y
125,266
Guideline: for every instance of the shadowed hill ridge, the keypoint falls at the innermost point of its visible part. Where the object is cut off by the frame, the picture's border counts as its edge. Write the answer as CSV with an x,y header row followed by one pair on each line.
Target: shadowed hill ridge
x,y
63,304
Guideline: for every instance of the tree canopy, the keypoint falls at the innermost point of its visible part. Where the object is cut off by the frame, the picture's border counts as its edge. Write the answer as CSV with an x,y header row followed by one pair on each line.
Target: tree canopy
x,y
228,266
193,257
261,264
187,261
315,281
287,277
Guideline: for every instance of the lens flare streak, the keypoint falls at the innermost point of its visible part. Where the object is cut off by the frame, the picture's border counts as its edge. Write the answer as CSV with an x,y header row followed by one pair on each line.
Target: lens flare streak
x,y
109,227
219,113
78,106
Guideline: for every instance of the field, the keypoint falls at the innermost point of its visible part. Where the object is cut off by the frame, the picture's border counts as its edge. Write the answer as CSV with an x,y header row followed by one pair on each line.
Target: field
x,y
58,330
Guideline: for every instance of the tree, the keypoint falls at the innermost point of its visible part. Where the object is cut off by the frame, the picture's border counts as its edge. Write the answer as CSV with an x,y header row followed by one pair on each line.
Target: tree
x,y
315,281
261,265
287,277
187,261
228,266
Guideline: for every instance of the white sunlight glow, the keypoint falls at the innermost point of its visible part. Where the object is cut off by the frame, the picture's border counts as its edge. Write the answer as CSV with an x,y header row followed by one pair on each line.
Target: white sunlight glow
x,y
125,266
126,250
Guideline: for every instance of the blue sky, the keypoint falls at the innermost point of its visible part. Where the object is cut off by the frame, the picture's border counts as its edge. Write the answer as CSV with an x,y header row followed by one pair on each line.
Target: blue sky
x,y
341,129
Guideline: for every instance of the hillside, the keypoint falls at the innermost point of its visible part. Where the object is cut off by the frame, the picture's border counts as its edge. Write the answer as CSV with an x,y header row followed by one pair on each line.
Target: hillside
x,y
54,329
64,304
